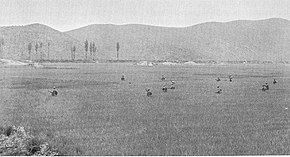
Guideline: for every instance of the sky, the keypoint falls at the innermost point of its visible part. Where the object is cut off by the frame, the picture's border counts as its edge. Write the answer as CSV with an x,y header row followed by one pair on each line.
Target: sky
x,y
65,15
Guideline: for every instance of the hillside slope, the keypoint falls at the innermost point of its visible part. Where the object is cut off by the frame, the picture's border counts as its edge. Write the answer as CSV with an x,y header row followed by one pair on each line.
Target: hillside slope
x,y
237,40
52,44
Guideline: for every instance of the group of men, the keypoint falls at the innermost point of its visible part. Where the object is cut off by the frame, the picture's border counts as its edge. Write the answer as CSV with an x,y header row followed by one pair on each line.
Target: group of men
x,y
266,86
164,87
219,90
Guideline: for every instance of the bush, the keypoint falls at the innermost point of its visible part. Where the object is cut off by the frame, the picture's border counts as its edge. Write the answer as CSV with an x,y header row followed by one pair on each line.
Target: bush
x,y
6,130
16,141
33,146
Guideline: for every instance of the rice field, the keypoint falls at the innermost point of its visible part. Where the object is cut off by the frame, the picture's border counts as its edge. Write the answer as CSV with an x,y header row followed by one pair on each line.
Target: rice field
x,y
107,116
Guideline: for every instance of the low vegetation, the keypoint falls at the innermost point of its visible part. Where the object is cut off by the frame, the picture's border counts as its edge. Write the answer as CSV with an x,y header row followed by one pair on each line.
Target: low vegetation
x,y
16,141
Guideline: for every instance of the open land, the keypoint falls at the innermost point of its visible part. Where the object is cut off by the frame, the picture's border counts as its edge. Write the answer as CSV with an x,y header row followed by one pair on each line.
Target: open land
x,y
107,116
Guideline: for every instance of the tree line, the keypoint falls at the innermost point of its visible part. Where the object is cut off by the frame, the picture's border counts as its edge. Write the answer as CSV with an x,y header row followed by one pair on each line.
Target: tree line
x,y
42,50
39,50
90,50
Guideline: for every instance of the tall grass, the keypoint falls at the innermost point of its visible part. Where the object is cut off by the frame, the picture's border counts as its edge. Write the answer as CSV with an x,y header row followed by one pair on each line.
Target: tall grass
x,y
16,141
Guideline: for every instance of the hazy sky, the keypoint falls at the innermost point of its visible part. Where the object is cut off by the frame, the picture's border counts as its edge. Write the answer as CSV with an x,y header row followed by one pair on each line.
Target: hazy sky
x,y
65,15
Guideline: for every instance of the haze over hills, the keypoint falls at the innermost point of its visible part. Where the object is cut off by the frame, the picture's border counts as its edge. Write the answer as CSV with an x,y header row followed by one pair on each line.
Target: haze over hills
x,y
238,40
235,41
51,44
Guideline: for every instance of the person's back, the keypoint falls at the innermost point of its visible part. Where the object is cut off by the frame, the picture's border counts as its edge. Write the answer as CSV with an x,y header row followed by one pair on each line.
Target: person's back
x,y
219,90
172,85
149,93
123,78
164,88
265,86
54,93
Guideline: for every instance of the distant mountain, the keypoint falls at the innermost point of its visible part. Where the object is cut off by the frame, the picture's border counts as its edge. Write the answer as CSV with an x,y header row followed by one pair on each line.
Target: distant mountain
x,y
237,40
51,43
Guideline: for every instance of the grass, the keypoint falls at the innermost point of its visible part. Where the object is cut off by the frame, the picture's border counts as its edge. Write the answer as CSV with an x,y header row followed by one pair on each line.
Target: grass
x,y
97,114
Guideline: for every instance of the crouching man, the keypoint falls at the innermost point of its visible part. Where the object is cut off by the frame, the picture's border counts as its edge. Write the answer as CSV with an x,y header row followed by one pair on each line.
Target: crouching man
x,y
53,92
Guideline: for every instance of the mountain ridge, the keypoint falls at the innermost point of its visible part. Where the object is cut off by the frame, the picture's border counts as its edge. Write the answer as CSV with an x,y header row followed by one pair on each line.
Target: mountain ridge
x,y
282,19
206,41
265,39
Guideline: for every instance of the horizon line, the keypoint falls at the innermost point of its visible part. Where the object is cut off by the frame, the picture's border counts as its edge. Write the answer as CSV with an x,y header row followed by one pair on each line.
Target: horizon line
x,y
126,24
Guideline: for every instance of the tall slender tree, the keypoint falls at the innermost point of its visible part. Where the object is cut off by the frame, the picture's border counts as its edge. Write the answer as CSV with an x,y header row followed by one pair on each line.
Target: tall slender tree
x,y
29,50
73,53
48,49
74,50
1,47
40,50
86,48
94,50
91,49
94,47
36,48
118,48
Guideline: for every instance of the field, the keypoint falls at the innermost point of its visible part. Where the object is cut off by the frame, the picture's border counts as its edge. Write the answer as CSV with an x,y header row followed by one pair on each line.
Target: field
x,y
107,116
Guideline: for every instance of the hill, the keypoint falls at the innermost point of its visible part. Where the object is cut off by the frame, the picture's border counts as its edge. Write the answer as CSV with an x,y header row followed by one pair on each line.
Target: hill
x,y
264,40
237,40
46,43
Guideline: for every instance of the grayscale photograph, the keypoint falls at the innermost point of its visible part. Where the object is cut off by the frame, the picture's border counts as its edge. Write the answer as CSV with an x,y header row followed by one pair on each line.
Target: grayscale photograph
x,y
144,77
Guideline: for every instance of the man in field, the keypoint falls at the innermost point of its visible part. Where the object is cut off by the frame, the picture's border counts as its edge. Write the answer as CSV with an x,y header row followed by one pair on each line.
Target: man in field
x,y
274,82
219,90
230,77
123,78
53,92
164,88
172,85
149,93
265,87
163,78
